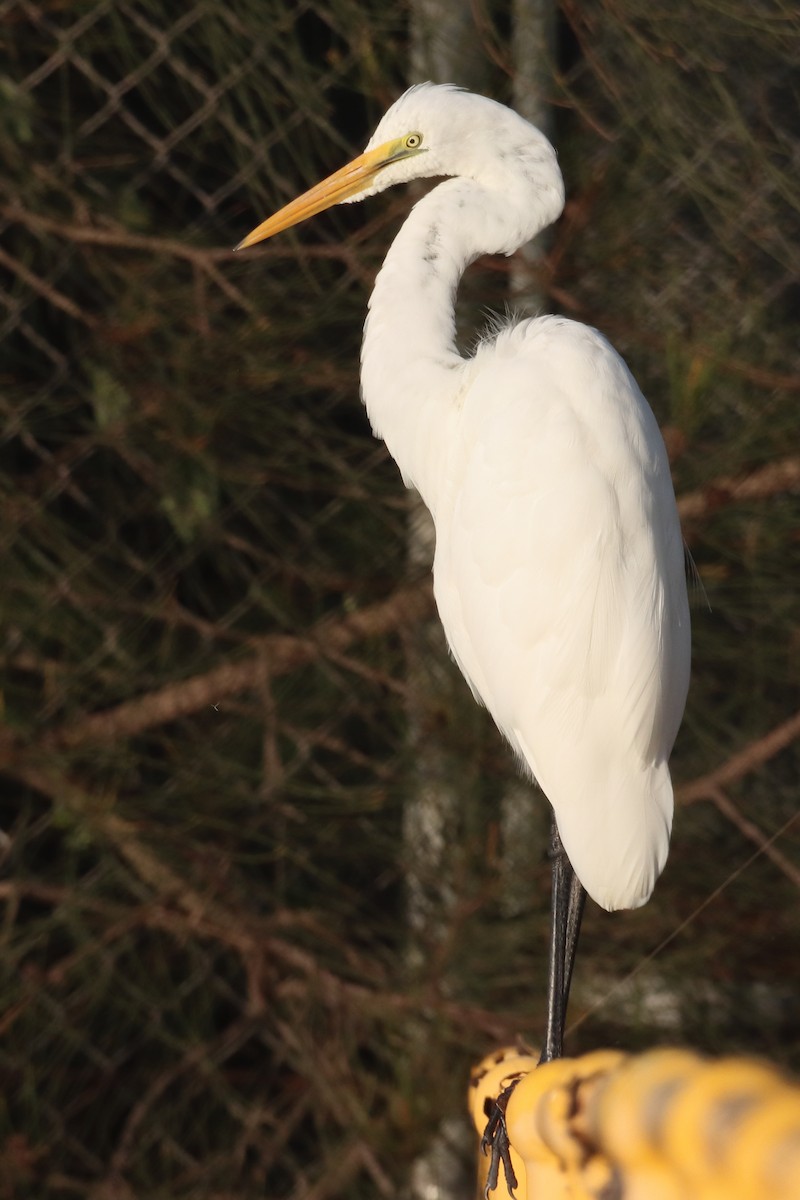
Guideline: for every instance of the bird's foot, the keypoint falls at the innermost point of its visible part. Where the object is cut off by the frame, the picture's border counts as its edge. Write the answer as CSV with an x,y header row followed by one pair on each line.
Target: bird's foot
x,y
495,1142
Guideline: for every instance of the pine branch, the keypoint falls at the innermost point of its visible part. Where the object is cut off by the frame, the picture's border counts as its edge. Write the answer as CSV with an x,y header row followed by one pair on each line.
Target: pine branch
x,y
178,908
275,654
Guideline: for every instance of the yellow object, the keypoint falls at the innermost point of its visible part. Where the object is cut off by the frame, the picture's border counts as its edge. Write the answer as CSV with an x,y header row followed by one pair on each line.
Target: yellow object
x,y
540,1129
666,1125
622,1117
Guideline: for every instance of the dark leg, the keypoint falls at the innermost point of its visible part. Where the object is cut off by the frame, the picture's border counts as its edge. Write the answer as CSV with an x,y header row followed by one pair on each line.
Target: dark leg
x,y
567,909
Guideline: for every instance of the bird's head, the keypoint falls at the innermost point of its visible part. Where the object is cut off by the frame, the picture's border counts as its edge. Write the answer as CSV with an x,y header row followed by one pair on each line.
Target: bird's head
x,y
436,130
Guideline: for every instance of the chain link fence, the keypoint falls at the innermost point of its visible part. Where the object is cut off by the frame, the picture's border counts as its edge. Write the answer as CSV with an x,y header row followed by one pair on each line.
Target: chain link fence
x,y
208,603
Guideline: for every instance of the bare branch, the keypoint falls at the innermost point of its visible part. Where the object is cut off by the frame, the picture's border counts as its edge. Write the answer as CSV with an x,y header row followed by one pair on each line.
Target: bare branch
x,y
753,756
754,834
776,477
276,653
46,290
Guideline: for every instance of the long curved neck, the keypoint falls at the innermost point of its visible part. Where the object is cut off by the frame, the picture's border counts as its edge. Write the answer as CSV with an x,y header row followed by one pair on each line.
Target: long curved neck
x,y
411,371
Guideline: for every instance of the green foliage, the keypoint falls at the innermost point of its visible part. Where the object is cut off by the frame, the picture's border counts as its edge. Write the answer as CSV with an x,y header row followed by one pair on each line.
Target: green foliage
x,y
212,720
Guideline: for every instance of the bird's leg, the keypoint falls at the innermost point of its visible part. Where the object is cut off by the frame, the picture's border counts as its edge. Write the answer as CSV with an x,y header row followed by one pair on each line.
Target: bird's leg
x,y
567,909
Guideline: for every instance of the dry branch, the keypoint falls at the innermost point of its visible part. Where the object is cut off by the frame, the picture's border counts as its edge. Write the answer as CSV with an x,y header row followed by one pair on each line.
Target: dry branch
x,y
776,477
753,756
752,832
184,912
277,654
45,289
204,258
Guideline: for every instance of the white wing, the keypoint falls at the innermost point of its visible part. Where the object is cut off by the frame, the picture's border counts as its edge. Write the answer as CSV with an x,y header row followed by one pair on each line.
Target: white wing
x,y
560,582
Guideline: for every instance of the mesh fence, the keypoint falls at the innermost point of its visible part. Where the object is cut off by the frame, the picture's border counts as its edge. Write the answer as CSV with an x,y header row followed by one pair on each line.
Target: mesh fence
x,y
209,606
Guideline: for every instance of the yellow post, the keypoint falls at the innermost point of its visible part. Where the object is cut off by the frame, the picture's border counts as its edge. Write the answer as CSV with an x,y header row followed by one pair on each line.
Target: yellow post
x,y
539,1127
666,1125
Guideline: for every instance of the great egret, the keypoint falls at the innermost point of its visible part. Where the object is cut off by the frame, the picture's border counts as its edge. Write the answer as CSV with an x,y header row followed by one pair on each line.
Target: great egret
x,y
559,566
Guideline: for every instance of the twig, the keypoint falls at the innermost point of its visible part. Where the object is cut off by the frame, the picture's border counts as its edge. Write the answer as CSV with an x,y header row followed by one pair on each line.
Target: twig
x,y
754,755
782,475
684,924
184,912
280,652
754,834
204,257
759,376
198,1055
45,289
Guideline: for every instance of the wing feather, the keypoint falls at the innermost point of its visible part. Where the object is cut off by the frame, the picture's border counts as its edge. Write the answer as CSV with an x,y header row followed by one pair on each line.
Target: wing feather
x,y
559,579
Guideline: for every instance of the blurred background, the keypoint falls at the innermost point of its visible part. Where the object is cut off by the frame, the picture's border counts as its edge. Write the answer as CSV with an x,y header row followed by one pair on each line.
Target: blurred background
x,y
270,884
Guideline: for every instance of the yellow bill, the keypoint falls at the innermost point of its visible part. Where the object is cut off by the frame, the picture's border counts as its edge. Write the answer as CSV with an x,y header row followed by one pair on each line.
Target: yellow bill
x,y
343,184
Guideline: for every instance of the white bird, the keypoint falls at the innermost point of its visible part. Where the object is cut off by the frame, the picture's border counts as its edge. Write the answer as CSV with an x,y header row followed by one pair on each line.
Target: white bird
x,y
559,564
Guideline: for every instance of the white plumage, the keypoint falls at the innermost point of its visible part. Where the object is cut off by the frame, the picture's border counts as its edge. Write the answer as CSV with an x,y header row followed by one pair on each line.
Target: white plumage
x,y
563,594
559,571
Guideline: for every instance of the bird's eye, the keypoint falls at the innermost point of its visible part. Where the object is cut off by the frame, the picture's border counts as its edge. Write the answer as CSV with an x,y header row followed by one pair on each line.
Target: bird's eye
x,y
413,140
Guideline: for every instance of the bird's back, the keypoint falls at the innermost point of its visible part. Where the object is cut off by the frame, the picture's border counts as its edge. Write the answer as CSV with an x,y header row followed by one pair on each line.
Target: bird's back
x,y
560,582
